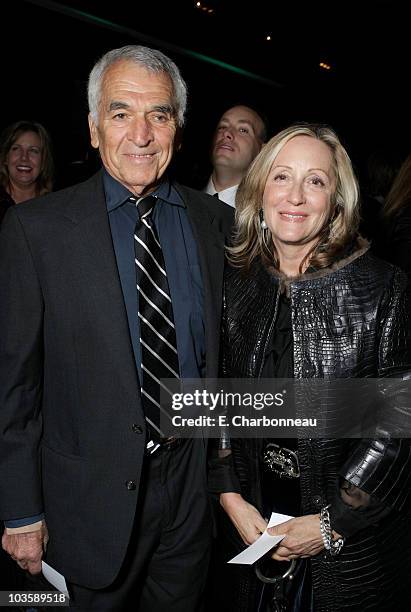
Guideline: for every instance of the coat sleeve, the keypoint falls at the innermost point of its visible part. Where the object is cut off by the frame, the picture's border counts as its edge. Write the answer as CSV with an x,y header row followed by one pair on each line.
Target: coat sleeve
x,y
381,468
222,476
21,373
398,249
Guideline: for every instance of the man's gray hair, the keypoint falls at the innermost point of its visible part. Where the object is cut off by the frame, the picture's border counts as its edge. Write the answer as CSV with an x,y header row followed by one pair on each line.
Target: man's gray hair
x,y
150,59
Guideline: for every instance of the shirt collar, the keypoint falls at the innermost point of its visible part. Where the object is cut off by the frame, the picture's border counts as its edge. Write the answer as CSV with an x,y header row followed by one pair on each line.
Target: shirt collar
x,y
226,195
210,189
117,194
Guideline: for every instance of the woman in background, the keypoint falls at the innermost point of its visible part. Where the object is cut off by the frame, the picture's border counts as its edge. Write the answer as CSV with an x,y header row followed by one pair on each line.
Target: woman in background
x,y
395,232
26,163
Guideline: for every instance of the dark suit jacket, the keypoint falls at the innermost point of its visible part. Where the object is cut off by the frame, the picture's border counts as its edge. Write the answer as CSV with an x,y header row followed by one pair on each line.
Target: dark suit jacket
x,y
69,391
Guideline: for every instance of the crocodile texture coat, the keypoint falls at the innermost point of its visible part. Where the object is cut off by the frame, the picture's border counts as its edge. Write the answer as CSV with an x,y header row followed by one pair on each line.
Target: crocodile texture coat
x,y
351,320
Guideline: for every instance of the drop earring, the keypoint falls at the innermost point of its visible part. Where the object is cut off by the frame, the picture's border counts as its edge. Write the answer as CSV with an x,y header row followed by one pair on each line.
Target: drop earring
x,y
263,224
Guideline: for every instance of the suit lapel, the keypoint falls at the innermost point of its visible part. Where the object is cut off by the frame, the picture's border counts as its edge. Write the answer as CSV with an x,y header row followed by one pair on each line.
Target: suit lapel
x,y
94,257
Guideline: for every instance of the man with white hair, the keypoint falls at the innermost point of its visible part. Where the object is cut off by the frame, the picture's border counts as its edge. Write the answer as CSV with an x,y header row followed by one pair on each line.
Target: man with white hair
x,y
85,467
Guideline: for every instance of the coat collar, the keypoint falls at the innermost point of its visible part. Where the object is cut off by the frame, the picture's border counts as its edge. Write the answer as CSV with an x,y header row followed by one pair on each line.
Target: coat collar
x,y
361,246
85,199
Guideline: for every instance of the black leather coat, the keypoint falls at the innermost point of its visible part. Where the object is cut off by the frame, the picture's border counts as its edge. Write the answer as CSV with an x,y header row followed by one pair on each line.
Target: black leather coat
x,y
351,320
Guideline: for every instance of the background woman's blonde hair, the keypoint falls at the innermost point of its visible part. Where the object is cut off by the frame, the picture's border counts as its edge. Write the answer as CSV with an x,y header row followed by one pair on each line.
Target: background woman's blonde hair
x,y
399,195
341,226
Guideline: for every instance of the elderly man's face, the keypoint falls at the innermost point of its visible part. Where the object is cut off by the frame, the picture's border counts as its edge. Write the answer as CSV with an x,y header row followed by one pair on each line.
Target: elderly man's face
x,y
136,127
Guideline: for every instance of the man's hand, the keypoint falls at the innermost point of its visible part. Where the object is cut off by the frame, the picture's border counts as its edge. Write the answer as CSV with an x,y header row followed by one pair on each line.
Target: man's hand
x,y
27,548
246,519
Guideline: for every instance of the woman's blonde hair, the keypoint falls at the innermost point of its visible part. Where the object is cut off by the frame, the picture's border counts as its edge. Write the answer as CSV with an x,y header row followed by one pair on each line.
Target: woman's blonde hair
x,y
341,226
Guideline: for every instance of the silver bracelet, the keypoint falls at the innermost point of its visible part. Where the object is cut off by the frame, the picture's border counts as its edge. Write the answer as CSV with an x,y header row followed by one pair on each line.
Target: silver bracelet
x,y
331,545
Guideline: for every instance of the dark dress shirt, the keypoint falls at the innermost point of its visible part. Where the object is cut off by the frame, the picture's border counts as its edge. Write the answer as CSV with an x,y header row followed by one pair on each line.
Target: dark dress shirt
x,y
182,264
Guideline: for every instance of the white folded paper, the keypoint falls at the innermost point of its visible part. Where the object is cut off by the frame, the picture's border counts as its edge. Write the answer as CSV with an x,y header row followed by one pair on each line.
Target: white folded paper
x,y
264,543
54,577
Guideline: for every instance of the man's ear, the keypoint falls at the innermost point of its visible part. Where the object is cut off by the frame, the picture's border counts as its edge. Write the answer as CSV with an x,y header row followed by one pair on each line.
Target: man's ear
x,y
94,139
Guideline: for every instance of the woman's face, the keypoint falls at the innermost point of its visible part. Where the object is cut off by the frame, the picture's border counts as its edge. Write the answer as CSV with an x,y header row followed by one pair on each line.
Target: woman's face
x,y
24,159
297,195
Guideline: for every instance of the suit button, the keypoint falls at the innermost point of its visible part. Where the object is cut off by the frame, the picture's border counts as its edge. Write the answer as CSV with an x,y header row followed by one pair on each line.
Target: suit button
x,y
317,500
131,485
137,428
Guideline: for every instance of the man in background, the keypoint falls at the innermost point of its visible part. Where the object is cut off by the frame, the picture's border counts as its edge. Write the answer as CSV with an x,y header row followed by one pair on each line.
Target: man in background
x,y
238,138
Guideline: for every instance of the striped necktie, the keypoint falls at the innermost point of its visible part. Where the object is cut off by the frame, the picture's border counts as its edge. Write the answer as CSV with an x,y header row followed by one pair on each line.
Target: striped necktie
x,y
159,358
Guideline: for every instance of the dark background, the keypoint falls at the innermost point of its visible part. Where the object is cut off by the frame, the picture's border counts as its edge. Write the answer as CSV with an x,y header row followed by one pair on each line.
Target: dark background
x,y
48,49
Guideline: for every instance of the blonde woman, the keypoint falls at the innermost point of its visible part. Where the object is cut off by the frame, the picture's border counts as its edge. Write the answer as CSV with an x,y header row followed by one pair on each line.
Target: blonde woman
x,y
303,298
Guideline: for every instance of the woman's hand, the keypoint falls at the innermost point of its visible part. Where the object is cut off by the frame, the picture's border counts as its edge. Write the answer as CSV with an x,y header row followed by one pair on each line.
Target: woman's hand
x,y
303,538
246,519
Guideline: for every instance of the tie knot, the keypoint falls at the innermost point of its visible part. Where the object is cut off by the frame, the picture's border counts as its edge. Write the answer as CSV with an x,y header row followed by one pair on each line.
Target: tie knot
x,y
144,205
